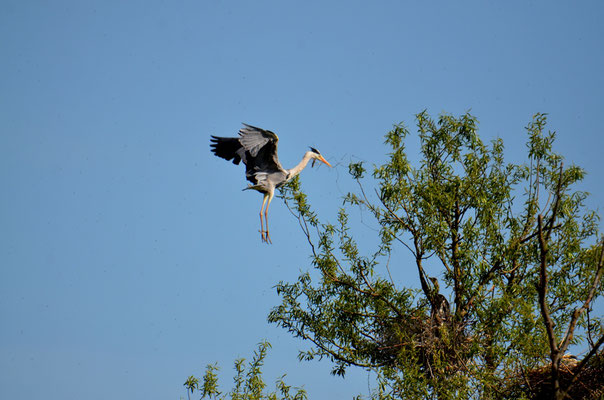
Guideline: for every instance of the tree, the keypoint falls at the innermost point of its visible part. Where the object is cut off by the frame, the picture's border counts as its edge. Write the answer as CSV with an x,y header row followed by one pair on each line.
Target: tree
x,y
248,385
518,256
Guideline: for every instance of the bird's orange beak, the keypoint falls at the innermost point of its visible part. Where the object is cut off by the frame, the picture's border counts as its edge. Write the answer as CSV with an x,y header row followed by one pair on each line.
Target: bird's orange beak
x,y
325,161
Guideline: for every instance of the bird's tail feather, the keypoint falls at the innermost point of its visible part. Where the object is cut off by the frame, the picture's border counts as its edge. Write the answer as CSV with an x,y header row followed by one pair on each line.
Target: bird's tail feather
x,y
252,187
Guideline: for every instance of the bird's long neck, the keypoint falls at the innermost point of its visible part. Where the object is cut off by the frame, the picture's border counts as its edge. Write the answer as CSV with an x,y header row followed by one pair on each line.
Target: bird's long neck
x,y
298,168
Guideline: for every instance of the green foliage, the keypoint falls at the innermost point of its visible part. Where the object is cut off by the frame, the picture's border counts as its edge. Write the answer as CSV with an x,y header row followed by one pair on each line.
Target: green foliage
x,y
248,383
520,261
518,256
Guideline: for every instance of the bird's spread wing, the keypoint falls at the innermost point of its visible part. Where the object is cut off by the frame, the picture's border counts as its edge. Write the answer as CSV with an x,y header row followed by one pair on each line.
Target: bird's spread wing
x,y
253,139
227,148
260,152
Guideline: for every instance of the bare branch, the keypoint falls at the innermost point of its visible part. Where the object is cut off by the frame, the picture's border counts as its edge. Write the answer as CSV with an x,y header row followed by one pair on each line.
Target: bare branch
x,y
578,311
542,289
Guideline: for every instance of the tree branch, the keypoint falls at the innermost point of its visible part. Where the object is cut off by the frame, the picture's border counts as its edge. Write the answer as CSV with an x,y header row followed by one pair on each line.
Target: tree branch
x,y
578,311
581,367
542,290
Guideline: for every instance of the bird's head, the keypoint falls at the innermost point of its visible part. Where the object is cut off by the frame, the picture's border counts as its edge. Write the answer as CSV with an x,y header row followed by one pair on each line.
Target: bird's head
x,y
314,153
434,282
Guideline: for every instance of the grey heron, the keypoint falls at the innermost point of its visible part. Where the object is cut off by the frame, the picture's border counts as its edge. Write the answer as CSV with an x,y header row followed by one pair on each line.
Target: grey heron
x,y
257,148
440,305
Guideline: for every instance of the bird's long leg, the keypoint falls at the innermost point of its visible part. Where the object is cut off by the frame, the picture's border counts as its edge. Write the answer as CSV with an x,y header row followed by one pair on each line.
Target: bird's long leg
x,y
270,198
262,232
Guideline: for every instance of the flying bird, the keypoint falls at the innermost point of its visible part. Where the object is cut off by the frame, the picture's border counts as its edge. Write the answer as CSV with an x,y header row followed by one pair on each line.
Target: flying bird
x,y
257,148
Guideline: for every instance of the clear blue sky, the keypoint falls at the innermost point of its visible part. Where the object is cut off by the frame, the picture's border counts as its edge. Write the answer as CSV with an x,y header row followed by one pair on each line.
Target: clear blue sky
x,y
130,257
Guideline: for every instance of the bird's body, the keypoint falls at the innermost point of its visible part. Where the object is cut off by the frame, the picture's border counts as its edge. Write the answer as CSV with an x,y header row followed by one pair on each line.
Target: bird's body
x,y
257,148
441,311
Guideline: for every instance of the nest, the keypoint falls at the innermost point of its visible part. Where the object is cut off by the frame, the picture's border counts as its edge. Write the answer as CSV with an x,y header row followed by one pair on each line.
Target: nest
x,y
537,383
439,345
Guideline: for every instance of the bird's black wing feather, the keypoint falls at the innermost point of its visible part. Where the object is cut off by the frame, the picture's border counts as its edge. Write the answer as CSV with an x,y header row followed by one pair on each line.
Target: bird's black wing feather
x,y
227,148
260,152
256,147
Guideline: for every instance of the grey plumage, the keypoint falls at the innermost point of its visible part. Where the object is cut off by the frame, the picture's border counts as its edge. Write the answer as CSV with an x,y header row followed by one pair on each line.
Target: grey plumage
x,y
257,148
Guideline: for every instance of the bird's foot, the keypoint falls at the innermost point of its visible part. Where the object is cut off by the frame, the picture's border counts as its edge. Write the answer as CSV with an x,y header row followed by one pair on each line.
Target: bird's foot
x,y
265,237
